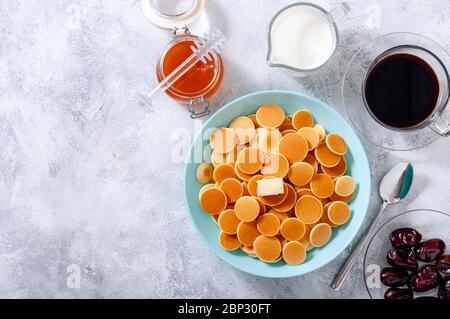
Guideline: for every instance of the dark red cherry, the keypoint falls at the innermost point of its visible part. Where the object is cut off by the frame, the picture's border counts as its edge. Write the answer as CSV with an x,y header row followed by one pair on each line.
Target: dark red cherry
x,y
394,277
398,293
443,264
425,279
444,289
405,237
403,258
430,250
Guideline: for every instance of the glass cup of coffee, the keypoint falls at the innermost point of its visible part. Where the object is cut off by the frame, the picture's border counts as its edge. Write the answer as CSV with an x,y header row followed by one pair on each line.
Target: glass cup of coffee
x,y
396,91
407,88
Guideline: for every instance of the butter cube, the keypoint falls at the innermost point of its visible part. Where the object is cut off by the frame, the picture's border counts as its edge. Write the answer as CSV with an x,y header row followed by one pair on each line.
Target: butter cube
x,y
270,186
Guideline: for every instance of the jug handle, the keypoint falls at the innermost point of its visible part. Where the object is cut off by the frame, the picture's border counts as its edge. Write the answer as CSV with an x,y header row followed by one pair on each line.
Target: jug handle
x,y
340,11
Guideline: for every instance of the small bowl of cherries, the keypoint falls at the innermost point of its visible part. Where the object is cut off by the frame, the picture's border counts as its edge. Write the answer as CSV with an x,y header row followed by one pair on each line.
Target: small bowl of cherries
x,y
408,257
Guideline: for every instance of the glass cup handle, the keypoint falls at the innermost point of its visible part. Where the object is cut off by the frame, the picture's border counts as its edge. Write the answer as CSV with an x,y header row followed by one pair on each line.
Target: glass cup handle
x,y
442,124
340,11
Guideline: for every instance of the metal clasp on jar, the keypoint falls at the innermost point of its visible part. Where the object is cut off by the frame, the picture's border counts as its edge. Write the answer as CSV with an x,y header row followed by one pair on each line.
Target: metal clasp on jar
x,y
198,107
181,31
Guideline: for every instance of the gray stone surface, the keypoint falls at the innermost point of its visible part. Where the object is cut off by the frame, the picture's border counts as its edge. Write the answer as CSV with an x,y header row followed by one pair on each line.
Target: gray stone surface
x,y
85,180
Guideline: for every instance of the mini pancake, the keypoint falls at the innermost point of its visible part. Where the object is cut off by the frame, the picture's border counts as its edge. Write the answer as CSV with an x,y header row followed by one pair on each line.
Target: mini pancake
x,y
321,131
302,118
286,132
286,128
268,140
244,129
228,222
246,209
283,241
311,160
325,218
294,253
276,260
223,140
292,229
304,191
346,199
229,242
245,189
276,165
253,185
326,157
232,188
270,116
308,209
242,176
267,249
213,200
338,213
344,186
305,239
300,173
281,215
322,185
275,200
310,135
222,172
288,119
249,250
268,224
337,171
320,235
204,187
250,160
308,186
247,233
289,201
204,173
232,156
336,144
294,147
286,125
262,206
218,158
253,118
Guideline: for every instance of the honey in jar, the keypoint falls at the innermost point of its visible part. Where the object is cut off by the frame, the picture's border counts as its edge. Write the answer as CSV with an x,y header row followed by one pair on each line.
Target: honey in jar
x,y
201,82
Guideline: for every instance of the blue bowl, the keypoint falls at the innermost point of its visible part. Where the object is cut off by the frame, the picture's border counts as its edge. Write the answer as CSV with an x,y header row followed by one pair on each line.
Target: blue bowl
x,y
358,167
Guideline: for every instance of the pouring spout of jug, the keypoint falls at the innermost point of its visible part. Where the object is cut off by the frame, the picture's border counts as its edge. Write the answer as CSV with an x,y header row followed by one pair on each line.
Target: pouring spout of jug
x,y
273,62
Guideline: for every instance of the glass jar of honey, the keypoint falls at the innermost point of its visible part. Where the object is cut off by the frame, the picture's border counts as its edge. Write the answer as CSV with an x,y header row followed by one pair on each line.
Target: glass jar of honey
x,y
201,82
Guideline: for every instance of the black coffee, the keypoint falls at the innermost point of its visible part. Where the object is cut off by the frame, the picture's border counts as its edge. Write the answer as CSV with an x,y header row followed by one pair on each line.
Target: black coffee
x,y
402,90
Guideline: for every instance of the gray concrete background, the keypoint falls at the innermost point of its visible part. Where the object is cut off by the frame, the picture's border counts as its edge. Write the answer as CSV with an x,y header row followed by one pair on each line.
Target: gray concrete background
x,y
84,182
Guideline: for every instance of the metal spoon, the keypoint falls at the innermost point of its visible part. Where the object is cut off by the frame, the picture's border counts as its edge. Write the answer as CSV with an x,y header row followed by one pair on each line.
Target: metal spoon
x,y
394,187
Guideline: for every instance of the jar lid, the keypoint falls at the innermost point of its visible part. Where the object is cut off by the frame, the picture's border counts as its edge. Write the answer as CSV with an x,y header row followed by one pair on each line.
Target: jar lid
x,y
172,14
